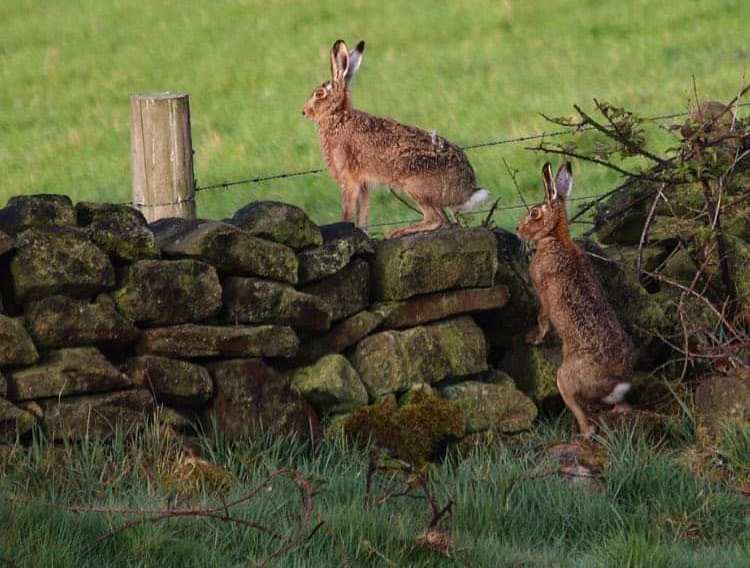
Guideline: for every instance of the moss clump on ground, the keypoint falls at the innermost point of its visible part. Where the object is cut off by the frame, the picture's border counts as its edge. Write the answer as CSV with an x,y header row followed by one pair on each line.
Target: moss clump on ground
x,y
416,432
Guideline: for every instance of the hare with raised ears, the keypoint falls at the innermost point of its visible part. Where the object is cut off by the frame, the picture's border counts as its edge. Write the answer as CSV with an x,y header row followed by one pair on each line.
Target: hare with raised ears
x,y
362,150
597,355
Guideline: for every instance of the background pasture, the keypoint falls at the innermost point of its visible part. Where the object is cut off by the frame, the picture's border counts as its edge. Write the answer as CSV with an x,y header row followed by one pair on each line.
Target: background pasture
x,y
474,71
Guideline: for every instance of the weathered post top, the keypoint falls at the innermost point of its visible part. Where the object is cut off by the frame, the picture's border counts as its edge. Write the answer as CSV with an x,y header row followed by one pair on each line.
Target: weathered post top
x,y
162,155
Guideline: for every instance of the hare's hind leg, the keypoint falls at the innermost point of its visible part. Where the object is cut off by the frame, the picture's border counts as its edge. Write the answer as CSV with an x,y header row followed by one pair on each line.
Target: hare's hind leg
x,y
433,218
566,384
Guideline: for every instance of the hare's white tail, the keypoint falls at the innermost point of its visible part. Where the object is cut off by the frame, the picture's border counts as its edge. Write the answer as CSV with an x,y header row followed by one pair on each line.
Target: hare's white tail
x,y
476,199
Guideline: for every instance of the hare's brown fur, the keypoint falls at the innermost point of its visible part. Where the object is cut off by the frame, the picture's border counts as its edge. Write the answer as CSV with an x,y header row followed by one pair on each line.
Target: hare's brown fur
x,y
362,150
597,355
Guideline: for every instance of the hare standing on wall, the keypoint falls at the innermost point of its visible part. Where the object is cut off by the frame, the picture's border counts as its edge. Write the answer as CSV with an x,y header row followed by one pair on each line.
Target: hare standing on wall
x,y
362,150
597,356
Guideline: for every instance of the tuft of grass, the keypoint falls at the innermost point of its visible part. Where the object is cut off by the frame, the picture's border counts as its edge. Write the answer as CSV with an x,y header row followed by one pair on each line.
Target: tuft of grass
x,y
474,71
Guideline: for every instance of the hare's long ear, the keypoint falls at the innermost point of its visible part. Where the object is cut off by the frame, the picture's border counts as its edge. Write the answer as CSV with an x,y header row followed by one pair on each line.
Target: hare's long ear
x,y
550,192
564,181
355,59
339,60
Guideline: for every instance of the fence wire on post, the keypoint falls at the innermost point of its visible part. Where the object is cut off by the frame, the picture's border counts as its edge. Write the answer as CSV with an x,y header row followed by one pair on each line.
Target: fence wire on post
x,y
469,147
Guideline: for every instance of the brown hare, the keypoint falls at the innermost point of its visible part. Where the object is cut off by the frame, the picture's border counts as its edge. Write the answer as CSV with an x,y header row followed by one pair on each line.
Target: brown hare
x,y
362,150
597,355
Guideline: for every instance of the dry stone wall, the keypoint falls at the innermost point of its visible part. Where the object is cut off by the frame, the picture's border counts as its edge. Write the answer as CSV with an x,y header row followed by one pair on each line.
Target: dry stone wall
x,y
264,320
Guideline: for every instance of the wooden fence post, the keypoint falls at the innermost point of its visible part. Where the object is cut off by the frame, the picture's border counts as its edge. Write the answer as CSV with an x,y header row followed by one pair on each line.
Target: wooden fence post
x,y
162,155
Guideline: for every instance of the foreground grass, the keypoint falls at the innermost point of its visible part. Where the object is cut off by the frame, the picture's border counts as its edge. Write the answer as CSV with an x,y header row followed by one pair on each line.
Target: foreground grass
x,y
474,71
647,510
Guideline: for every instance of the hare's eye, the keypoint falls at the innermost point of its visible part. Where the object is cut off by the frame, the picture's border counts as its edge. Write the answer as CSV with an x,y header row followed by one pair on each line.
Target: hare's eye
x,y
320,93
536,213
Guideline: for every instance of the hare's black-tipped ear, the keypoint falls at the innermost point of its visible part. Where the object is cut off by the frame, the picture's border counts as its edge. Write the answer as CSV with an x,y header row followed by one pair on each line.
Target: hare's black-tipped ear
x,y
355,59
550,193
564,180
339,60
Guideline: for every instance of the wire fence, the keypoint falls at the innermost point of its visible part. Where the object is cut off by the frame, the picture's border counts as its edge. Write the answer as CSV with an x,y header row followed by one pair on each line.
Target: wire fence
x,y
485,144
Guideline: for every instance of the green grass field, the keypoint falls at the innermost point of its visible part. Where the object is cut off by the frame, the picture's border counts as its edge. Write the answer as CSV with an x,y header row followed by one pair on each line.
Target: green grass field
x,y
649,509
474,71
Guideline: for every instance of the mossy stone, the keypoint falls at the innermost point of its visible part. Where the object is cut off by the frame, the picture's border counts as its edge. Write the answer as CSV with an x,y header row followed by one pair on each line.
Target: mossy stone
x,y
24,212
331,385
430,262
226,247
532,367
15,423
96,415
59,260
497,405
415,432
172,381
167,292
66,372
721,402
16,347
60,321
463,344
628,211
279,222
391,361
346,292
252,300
252,397
118,229
325,260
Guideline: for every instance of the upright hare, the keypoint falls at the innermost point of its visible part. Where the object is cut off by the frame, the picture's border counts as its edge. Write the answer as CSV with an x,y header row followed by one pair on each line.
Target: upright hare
x,y
597,356
362,150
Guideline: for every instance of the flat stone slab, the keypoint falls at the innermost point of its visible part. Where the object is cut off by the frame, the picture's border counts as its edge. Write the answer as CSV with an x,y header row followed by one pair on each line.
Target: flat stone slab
x,y
174,382
251,397
66,372
226,247
97,415
423,309
344,335
60,321
499,405
190,340
16,347
279,222
433,261
331,385
120,230
256,301
33,211
59,260
391,361
15,423
168,292
346,292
